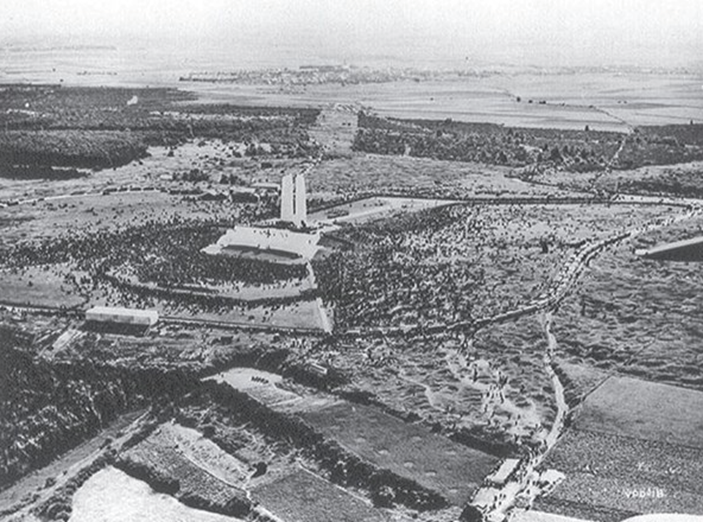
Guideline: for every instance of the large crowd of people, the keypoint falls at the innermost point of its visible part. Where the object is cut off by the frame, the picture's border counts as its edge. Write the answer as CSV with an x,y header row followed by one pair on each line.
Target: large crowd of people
x,y
456,264
160,250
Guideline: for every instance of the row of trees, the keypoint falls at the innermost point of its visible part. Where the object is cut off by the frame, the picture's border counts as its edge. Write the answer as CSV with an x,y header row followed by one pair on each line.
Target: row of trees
x,y
573,150
485,143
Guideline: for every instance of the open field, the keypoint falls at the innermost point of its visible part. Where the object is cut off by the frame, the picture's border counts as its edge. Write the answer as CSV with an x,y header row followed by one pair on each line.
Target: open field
x,y
633,459
641,409
303,496
610,499
39,286
608,474
634,446
260,385
408,450
365,173
369,209
136,502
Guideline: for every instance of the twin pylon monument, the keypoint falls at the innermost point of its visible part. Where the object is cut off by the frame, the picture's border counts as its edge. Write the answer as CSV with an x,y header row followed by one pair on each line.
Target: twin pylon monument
x,y
294,207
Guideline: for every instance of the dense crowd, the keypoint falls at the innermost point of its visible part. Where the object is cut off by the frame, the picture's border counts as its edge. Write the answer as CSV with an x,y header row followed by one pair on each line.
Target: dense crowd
x,y
456,264
165,251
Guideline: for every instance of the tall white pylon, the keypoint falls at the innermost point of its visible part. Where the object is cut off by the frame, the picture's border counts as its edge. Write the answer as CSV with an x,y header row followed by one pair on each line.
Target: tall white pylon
x,y
301,206
287,211
294,207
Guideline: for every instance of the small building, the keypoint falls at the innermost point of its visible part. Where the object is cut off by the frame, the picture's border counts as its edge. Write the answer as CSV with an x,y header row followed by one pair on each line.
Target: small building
x,y
119,315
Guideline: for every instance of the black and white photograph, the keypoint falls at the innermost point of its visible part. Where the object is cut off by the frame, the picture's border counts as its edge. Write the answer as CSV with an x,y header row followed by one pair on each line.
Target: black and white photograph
x,y
351,260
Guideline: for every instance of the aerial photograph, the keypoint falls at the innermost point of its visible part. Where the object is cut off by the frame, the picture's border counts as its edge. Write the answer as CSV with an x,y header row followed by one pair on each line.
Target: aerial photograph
x,y
369,260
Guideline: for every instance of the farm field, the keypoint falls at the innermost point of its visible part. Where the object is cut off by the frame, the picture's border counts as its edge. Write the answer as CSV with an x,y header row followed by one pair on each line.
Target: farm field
x,y
651,99
197,473
303,496
137,501
652,411
408,450
634,446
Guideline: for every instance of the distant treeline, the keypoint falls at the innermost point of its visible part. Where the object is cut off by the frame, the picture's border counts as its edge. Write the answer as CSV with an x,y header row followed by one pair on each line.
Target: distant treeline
x,y
107,127
574,150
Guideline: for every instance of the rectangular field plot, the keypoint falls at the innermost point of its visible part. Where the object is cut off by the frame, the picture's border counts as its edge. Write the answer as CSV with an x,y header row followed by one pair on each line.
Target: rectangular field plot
x,y
659,465
593,495
195,470
610,477
645,410
302,496
410,451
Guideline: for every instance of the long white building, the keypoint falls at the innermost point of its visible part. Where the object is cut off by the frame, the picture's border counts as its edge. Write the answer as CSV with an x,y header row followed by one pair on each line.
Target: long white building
x,y
121,315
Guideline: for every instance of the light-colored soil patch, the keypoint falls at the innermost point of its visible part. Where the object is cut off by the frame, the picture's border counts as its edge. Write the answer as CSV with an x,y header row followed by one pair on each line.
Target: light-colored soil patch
x,y
259,384
112,495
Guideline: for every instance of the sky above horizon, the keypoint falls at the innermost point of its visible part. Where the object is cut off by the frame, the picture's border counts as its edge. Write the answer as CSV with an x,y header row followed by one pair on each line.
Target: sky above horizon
x,y
595,30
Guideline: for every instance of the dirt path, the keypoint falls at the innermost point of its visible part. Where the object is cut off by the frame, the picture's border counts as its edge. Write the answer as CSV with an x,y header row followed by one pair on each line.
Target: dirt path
x,y
562,407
